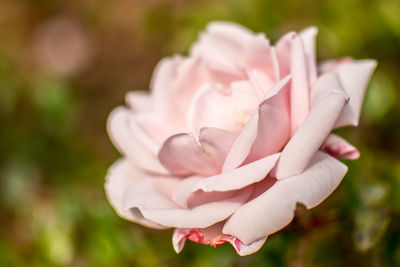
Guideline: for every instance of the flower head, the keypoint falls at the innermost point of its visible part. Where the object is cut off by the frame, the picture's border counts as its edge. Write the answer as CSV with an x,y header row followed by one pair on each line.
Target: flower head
x,y
231,137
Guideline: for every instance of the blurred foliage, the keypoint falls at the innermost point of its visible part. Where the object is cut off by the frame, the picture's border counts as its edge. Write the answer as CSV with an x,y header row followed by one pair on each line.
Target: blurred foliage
x,y
65,64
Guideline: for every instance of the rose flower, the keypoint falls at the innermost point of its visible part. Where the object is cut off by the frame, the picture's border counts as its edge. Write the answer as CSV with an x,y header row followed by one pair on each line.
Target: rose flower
x,y
233,136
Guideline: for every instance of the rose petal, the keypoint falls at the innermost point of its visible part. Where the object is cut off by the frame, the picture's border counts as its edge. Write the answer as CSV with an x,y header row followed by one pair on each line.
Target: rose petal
x,y
162,90
282,48
326,108
331,65
131,141
124,180
212,106
278,203
308,36
243,144
354,77
185,196
216,143
181,154
200,216
139,101
232,180
230,47
273,129
299,92
147,199
244,96
340,148
214,237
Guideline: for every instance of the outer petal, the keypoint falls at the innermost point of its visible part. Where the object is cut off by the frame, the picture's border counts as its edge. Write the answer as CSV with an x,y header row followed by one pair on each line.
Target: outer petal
x,y
200,216
148,200
174,82
229,47
299,93
278,203
308,36
214,237
355,77
139,101
340,148
131,141
232,180
162,90
325,110
283,47
124,180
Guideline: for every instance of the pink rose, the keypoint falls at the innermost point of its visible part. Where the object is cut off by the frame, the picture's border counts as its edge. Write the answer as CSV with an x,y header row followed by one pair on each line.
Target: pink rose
x,y
233,136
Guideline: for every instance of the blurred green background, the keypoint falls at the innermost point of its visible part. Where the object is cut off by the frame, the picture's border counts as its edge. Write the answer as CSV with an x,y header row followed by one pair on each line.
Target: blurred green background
x,y
64,65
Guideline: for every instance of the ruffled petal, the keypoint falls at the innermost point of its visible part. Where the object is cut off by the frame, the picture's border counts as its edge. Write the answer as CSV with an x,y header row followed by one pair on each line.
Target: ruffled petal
x,y
354,77
181,154
214,237
216,143
132,141
125,182
148,200
201,216
339,148
326,108
231,48
229,181
278,203
244,96
264,114
282,48
212,106
139,101
299,92
308,36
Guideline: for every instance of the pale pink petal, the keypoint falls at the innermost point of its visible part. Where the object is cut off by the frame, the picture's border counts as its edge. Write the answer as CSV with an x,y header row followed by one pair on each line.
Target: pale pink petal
x,y
282,48
229,47
273,130
326,108
340,148
214,237
261,82
190,76
299,92
200,216
150,130
308,36
185,196
243,144
212,106
355,77
148,200
331,65
222,44
124,180
181,154
216,143
130,140
278,203
160,85
167,106
229,181
244,96
139,101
